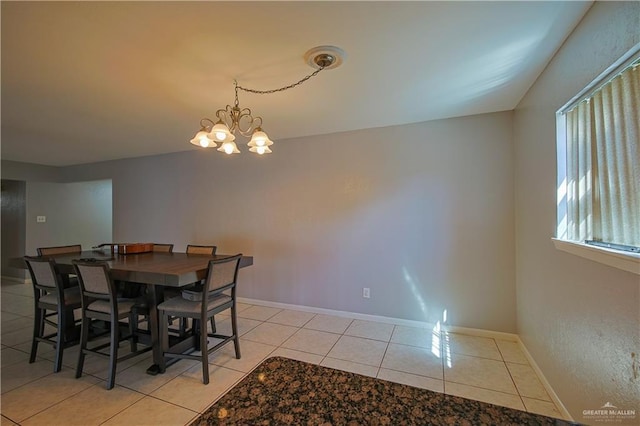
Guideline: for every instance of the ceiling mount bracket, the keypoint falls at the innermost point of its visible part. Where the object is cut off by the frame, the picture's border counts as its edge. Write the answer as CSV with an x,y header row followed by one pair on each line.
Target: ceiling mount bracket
x,y
324,57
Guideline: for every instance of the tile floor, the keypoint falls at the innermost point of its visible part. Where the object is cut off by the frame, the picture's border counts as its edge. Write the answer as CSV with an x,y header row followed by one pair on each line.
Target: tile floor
x,y
484,369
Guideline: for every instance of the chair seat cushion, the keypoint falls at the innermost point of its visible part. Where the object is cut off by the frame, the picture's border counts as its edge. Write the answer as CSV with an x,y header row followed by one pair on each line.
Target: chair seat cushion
x,y
124,306
71,297
179,306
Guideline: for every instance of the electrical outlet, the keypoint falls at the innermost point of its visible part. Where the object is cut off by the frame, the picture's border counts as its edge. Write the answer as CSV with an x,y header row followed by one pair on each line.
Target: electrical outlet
x,y
41,219
366,293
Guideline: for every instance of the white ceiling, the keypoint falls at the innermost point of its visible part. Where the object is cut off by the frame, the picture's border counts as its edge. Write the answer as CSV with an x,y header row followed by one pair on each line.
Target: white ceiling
x,y
85,82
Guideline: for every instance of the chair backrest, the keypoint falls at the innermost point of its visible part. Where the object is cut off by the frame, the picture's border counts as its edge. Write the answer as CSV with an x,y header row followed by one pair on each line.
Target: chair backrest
x,y
95,279
209,250
163,248
44,274
50,251
223,273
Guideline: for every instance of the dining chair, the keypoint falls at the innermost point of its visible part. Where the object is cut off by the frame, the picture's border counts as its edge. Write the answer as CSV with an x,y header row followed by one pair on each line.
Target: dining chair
x,y
218,294
170,292
163,248
51,299
100,301
195,249
68,279
50,251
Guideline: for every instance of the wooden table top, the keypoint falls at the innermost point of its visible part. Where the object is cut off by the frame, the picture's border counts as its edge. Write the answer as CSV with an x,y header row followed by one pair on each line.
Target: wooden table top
x,y
167,269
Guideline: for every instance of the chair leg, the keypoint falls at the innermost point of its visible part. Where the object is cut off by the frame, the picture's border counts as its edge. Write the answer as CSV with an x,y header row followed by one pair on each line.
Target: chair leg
x,y
213,324
164,338
183,327
133,340
234,331
38,322
113,351
195,329
205,353
84,337
60,339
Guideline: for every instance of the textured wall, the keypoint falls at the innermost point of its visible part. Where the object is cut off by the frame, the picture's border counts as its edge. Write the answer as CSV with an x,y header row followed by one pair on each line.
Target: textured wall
x,y
579,319
421,214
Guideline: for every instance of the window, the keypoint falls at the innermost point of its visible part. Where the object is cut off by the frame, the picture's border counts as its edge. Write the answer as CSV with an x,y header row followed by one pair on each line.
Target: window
x,y
598,134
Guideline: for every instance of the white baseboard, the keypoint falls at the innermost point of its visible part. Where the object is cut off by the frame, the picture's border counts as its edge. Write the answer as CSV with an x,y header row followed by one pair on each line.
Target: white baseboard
x,y
16,279
547,386
479,332
345,314
421,324
388,320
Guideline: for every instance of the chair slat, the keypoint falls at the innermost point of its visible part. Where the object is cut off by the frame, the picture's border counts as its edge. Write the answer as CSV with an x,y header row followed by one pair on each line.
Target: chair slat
x,y
51,251
194,249
163,248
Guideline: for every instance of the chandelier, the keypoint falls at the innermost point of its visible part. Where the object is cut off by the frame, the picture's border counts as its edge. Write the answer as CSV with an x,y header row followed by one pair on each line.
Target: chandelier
x,y
233,120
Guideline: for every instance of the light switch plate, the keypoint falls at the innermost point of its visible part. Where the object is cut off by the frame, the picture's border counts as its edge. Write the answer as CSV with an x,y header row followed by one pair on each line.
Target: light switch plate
x,y
41,219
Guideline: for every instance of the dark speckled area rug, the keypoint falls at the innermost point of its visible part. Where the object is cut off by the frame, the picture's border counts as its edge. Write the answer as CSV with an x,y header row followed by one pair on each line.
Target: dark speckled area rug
x,y
282,391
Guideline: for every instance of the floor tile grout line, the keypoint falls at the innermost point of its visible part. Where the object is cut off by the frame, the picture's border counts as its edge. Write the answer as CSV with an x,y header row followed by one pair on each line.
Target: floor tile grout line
x,y
386,348
134,403
513,381
299,326
56,403
480,387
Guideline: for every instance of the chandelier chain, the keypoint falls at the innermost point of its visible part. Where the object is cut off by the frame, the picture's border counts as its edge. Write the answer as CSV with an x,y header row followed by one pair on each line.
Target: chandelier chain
x,y
280,89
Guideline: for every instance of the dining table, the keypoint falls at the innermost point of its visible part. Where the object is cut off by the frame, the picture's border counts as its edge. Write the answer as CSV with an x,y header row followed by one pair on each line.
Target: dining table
x,y
156,271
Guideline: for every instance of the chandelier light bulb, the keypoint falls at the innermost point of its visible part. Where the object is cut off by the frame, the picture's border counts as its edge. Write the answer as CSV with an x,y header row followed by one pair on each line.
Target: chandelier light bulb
x,y
260,150
260,142
202,139
221,133
229,147
260,138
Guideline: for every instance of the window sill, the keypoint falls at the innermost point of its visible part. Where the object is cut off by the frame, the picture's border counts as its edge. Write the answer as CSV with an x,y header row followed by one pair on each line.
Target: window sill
x,y
626,261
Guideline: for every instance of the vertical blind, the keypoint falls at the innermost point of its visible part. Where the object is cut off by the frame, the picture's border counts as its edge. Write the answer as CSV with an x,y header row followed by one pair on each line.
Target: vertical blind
x,y
603,163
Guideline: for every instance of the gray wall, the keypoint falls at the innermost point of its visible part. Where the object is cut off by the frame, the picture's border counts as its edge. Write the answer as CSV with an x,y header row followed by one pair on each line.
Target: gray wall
x,y
421,214
31,172
579,319
14,195
76,213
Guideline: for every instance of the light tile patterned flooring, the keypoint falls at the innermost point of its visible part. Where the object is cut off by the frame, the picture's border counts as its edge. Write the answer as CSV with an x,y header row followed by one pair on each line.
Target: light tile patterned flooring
x,y
484,369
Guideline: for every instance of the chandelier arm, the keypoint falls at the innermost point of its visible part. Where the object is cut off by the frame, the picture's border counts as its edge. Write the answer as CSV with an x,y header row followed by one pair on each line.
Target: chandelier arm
x,y
204,121
281,89
246,123
224,116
